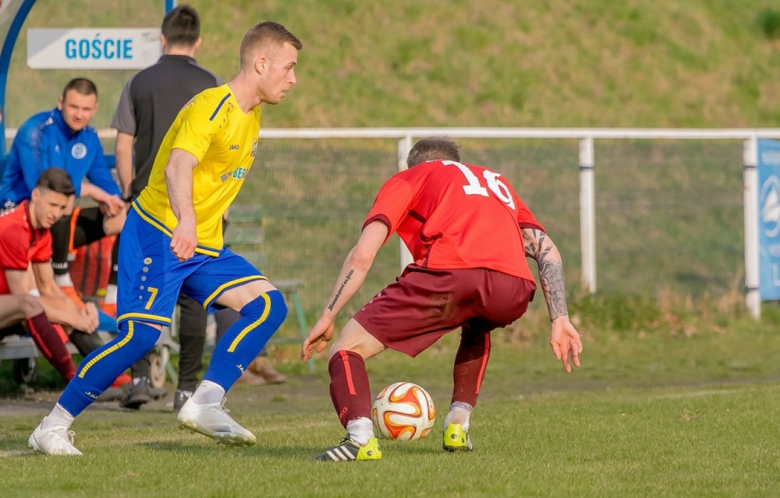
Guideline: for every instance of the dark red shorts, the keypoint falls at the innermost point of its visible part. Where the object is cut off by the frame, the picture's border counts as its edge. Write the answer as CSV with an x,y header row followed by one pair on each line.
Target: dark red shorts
x,y
424,304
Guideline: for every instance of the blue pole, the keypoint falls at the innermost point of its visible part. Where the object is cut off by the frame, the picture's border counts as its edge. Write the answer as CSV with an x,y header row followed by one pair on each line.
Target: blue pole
x,y
5,62
169,5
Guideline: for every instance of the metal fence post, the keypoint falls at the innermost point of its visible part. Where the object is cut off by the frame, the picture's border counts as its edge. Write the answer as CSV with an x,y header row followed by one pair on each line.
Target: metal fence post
x,y
752,277
587,215
404,146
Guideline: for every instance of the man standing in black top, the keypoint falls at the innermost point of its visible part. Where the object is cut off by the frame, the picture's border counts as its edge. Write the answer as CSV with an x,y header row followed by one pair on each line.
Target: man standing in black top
x,y
149,104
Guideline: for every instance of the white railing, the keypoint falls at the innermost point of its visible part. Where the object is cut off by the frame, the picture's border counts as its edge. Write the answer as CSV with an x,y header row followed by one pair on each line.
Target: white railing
x,y
586,136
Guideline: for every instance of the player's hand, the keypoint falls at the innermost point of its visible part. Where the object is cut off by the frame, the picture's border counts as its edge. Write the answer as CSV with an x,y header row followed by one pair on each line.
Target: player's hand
x,y
89,318
112,206
320,335
184,239
565,342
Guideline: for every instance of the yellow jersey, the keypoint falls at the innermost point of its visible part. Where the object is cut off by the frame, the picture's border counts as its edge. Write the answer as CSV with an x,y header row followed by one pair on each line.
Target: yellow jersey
x,y
214,129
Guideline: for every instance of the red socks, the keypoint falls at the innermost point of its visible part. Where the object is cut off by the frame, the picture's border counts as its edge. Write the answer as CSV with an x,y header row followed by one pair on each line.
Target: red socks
x,y
469,370
51,346
349,387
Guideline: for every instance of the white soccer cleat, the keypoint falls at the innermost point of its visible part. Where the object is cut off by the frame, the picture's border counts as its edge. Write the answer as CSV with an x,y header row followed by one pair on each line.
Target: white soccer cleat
x,y
53,441
212,420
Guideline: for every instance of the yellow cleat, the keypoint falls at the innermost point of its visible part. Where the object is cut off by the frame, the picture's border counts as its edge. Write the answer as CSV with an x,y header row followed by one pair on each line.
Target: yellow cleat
x,y
349,450
456,439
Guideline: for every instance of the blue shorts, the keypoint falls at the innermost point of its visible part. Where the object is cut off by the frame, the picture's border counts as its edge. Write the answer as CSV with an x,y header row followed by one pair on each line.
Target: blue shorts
x,y
150,276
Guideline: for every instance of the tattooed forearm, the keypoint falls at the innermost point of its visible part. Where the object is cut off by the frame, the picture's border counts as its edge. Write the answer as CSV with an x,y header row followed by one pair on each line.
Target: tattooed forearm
x,y
338,293
551,276
540,247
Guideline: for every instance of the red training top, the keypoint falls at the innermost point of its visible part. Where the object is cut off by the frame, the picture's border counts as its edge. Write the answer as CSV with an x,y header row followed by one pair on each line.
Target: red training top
x,y
453,215
20,243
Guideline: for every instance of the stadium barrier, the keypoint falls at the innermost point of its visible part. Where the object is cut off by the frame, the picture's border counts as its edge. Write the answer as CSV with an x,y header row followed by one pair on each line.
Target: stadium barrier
x,y
668,210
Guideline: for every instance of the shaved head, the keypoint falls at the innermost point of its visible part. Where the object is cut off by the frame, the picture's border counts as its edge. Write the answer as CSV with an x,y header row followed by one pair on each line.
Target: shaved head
x,y
267,35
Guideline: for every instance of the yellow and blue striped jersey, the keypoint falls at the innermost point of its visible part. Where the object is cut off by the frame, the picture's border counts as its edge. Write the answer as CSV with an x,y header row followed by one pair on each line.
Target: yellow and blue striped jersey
x,y
214,129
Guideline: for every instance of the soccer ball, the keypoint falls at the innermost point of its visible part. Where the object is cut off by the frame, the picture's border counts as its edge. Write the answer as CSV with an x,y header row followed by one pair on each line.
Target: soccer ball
x,y
403,411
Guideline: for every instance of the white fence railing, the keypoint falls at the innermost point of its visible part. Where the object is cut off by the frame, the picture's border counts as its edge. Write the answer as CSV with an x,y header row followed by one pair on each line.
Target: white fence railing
x,y
587,164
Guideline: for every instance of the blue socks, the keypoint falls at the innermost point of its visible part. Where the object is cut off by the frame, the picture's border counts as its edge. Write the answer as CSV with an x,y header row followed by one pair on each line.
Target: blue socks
x,y
99,370
234,352
243,341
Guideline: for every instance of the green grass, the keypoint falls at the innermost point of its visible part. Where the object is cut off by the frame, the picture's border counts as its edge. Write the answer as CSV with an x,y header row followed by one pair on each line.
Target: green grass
x,y
653,442
665,63
652,412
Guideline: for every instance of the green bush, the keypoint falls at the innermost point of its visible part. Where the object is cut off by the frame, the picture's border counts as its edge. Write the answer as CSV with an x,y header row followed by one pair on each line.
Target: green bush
x,y
769,23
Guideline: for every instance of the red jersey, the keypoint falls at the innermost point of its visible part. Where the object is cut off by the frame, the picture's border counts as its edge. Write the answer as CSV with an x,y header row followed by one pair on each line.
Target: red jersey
x,y
453,215
20,243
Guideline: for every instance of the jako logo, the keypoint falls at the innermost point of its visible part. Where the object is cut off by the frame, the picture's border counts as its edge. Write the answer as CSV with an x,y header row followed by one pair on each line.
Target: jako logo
x,y
233,147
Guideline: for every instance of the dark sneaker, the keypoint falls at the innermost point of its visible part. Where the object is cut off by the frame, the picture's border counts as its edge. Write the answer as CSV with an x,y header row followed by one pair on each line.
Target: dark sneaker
x,y
348,450
157,392
137,395
180,398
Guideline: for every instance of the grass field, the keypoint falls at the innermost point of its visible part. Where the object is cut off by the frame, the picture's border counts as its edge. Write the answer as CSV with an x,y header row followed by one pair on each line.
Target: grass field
x,y
666,63
649,414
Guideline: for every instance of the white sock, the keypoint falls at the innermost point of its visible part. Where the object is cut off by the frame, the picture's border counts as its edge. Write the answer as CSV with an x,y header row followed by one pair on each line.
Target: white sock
x,y
459,414
58,418
360,430
110,294
63,280
208,392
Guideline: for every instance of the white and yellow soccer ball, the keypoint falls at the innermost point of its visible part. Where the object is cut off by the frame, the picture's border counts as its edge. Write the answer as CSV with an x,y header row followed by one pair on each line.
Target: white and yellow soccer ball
x,y
403,411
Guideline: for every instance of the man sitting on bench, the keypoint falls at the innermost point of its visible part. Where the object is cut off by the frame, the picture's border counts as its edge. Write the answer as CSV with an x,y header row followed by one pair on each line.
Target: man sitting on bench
x,y
25,261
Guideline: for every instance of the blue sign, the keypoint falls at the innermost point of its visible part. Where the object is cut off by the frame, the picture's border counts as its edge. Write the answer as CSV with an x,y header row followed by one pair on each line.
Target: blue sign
x,y
769,218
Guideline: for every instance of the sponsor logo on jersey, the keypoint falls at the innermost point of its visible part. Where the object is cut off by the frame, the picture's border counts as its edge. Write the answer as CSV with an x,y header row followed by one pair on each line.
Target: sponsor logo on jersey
x,y
225,176
239,173
233,147
79,151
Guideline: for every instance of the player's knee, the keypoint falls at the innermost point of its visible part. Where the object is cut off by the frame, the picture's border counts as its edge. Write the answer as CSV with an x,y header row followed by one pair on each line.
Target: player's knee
x,y
268,307
140,336
30,306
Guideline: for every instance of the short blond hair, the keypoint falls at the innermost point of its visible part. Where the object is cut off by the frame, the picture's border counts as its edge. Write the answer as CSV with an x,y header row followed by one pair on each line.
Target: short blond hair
x,y
263,33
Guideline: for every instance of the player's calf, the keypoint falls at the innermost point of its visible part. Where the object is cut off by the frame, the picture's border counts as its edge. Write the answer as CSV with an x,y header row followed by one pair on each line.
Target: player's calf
x,y
242,342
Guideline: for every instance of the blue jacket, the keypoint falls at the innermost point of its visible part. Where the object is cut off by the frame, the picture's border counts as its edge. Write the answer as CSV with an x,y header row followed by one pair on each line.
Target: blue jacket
x,y
44,141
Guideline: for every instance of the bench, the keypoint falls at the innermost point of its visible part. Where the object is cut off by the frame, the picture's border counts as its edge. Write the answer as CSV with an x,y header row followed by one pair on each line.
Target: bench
x,y
24,352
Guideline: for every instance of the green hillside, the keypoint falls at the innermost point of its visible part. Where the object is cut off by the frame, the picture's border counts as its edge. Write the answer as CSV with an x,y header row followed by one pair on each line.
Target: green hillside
x,y
660,63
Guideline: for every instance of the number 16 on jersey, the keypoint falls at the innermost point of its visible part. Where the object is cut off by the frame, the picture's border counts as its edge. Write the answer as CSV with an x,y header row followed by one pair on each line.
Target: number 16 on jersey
x,y
474,187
